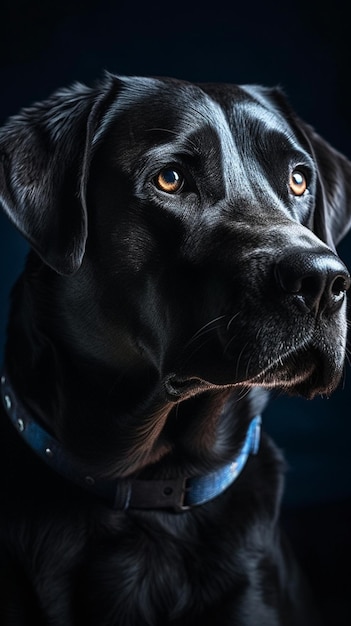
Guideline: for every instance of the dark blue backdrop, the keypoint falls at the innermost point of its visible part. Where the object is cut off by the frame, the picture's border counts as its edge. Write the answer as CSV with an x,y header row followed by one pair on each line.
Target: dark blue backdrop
x,y
300,46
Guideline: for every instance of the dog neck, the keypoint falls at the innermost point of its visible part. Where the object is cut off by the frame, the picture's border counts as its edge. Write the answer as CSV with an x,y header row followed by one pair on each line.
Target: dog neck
x,y
118,424
178,494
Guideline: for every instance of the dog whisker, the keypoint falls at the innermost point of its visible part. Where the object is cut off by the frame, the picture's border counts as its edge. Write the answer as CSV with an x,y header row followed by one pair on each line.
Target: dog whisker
x,y
228,344
248,367
239,359
232,320
245,390
348,356
197,348
207,328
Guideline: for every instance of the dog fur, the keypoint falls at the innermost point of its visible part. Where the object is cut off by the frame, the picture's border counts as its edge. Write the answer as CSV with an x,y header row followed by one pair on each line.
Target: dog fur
x,y
179,270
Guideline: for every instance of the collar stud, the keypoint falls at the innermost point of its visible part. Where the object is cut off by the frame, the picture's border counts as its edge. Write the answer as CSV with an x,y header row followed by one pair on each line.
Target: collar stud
x,y
21,425
8,402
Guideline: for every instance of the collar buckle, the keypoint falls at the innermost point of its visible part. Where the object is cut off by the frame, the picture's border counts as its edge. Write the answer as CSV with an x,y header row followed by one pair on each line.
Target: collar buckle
x,y
159,494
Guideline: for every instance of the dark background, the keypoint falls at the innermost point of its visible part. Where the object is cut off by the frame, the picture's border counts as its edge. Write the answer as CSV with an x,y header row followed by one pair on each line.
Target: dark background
x,y
301,46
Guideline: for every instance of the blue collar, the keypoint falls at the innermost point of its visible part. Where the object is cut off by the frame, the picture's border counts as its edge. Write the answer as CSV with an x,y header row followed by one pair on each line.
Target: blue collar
x,y
178,494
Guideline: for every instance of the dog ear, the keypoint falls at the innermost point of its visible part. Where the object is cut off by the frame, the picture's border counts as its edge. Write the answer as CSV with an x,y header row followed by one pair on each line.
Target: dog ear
x,y
332,218
45,153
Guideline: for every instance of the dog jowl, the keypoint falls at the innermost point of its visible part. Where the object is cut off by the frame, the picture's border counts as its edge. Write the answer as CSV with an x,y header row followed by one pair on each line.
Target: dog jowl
x,y
183,262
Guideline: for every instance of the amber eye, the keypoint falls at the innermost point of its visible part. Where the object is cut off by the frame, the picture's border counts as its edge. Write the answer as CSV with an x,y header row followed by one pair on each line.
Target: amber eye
x,y
169,180
297,182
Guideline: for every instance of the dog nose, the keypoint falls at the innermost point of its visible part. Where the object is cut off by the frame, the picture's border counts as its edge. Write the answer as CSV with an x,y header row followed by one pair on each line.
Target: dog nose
x,y
317,281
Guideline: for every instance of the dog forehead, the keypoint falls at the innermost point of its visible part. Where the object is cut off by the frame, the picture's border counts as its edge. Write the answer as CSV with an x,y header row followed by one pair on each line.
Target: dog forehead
x,y
162,102
162,112
239,114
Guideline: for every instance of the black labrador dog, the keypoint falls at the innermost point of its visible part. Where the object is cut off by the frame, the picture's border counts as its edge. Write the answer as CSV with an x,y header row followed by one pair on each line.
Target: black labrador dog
x,y
183,264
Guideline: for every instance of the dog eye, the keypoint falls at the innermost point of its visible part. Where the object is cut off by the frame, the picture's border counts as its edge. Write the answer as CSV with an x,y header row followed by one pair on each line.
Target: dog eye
x,y
297,182
169,180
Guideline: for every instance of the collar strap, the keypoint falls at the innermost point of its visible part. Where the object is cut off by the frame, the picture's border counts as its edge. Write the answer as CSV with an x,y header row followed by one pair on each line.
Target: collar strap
x,y
178,494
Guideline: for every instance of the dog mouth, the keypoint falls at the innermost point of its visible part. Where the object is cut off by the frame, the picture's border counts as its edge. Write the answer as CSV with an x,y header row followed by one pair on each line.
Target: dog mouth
x,y
299,355
180,388
306,371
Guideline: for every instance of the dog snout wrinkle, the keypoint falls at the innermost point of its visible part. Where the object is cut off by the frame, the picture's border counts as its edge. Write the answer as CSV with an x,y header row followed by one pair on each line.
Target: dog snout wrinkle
x,y
316,281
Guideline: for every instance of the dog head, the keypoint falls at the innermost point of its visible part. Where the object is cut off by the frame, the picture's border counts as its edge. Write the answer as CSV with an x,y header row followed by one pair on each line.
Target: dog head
x,y
204,218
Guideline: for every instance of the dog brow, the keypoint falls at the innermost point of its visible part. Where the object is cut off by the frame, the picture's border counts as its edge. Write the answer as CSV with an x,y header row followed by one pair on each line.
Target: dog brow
x,y
185,139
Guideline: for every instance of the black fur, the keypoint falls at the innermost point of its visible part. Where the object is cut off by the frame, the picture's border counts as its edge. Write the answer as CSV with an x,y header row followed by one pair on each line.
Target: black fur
x,y
144,334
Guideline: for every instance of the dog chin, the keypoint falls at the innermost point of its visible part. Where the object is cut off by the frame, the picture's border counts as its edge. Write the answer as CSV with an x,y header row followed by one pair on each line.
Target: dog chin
x,y
307,384
307,374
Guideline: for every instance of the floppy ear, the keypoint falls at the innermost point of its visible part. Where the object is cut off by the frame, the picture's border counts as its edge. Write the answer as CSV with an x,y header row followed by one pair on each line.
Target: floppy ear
x,y
332,218
45,153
